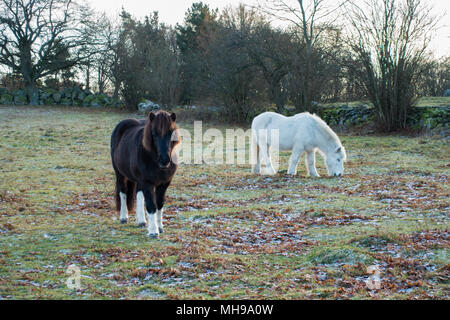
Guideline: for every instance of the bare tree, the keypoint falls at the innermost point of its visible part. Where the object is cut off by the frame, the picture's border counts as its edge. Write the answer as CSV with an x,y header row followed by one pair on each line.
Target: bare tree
x,y
100,34
390,38
311,18
234,76
270,49
39,38
436,77
147,65
106,60
192,38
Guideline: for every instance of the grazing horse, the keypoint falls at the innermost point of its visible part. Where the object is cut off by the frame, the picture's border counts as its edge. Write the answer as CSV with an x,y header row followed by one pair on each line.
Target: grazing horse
x,y
143,156
300,133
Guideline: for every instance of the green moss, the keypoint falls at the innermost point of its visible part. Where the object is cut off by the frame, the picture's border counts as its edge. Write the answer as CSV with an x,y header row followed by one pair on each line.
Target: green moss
x,y
88,100
49,101
66,102
374,241
20,100
6,98
433,101
337,255
57,97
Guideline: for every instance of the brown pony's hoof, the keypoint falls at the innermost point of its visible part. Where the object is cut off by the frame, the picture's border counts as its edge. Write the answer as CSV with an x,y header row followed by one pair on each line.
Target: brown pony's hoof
x,y
123,221
161,230
142,224
153,235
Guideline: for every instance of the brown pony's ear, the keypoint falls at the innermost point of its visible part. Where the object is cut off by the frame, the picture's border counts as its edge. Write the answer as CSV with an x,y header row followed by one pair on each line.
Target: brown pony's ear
x,y
151,116
173,116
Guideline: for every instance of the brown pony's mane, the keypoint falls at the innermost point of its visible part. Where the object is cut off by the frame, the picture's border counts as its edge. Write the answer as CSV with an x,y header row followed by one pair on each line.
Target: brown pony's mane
x,y
161,122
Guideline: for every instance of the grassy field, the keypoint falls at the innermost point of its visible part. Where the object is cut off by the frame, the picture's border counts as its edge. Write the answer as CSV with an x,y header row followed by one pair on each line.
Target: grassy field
x,y
228,234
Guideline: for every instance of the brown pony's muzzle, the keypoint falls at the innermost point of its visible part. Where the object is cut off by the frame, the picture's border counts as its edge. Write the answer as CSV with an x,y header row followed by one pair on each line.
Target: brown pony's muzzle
x,y
164,165
164,162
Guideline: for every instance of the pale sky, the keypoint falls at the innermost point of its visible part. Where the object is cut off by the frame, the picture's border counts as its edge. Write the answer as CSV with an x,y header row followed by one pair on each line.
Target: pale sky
x,y
172,12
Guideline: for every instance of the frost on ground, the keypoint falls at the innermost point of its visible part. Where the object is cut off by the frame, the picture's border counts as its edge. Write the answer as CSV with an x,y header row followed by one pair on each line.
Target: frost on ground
x,y
229,234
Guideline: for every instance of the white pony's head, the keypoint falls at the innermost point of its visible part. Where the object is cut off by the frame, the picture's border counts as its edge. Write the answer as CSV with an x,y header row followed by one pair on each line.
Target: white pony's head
x,y
335,162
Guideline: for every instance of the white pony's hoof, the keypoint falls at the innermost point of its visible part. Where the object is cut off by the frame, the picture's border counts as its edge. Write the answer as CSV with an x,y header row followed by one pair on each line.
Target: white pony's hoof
x,y
160,229
142,224
153,235
123,221
268,172
256,171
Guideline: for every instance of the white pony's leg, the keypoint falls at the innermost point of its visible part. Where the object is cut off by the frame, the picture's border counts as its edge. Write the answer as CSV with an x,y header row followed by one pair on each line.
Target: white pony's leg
x,y
270,167
293,160
159,224
255,154
140,210
311,163
123,208
256,168
265,153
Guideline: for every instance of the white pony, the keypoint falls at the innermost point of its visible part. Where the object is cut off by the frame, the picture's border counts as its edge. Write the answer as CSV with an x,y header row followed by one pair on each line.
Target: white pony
x,y
300,133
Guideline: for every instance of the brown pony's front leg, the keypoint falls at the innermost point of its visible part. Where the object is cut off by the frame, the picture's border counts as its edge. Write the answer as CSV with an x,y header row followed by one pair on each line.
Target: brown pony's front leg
x,y
160,195
140,208
150,206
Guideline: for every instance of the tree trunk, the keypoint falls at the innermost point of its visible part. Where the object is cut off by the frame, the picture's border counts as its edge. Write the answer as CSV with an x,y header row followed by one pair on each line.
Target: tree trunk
x,y
32,94
116,90
88,75
26,69
300,103
278,97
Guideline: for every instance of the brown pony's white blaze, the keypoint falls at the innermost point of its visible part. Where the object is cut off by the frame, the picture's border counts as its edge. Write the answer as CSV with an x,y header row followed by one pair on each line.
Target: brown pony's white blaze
x,y
142,154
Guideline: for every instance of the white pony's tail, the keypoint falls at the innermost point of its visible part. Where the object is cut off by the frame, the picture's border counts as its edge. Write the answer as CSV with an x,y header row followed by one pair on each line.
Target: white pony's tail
x,y
254,153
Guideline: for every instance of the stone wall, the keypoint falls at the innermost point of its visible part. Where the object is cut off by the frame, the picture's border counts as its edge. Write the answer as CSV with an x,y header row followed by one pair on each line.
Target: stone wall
x,y
72,96
419,117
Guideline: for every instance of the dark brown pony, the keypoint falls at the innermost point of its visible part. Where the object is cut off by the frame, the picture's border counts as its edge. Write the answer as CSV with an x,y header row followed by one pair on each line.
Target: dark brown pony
x,y
141,153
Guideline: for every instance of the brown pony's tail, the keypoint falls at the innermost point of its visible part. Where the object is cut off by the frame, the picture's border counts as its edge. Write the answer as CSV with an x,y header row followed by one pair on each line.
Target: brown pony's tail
x,y
131,195
117,195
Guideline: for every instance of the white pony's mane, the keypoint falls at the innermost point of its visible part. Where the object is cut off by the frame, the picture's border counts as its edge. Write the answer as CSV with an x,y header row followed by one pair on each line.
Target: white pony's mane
x,y
326,130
